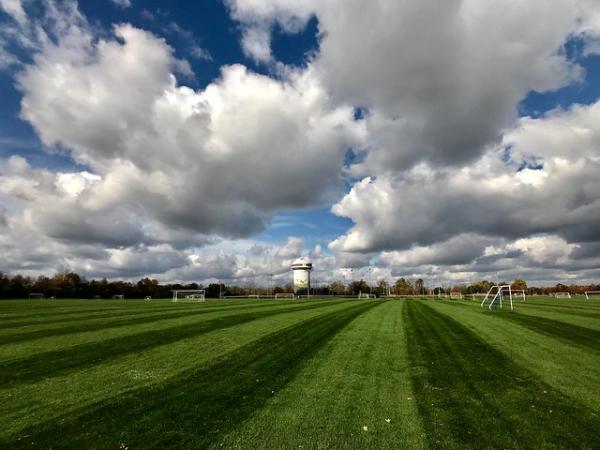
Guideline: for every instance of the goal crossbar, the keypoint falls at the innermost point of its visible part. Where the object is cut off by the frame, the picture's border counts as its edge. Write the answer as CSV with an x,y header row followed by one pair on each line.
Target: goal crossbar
x,y
562,295
361,295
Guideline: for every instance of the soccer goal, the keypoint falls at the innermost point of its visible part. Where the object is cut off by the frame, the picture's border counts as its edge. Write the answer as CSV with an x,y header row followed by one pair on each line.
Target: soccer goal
x,y
148,297
253,296
456,295
589,294
119,297
33,295
361,295
495,295
285,295
562,295
519,293
188,295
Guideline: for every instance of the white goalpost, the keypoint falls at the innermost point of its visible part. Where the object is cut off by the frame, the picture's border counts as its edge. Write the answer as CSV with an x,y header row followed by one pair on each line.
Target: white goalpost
x,y
589,294
361,295
495,296
33,295
562,295
285,295
188,295
119,297
253,296
456,295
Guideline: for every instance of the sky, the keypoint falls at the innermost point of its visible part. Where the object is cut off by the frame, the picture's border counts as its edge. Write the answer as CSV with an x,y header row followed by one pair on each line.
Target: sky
x,y
219,140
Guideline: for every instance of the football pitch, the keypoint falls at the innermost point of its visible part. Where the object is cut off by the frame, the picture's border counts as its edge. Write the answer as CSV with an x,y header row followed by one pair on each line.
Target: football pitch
x,y
289,374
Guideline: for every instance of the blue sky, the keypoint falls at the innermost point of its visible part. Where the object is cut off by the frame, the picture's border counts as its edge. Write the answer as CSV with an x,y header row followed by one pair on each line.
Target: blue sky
x,y
313,127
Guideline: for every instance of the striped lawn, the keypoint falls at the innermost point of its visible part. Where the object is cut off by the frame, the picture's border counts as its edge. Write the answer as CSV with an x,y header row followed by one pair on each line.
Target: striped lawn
x,y
310,374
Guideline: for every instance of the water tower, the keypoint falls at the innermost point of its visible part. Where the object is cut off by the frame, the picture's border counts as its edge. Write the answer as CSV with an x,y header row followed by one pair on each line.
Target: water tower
x,y
301,268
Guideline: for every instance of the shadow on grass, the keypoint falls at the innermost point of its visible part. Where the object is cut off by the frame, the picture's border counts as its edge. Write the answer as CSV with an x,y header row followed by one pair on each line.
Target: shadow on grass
x,y
583,337
59,362
198,408
470,395
135,318
129,310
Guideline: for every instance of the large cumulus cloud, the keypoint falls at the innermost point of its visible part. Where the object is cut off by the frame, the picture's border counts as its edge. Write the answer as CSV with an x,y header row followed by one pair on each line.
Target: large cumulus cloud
x,y
216,161
541,179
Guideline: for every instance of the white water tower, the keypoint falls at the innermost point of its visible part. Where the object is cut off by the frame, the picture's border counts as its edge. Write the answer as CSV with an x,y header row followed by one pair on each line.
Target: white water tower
x,y
301,268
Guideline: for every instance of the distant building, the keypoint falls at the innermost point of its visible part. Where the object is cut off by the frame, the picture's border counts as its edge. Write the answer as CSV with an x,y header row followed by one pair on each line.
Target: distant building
x,y
301,268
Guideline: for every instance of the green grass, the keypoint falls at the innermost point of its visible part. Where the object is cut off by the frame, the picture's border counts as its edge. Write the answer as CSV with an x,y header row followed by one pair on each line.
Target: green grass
x,y
299,374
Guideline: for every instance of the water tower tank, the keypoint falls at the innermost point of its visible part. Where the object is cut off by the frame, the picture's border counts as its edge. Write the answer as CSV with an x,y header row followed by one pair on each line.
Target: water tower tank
x,y
301,268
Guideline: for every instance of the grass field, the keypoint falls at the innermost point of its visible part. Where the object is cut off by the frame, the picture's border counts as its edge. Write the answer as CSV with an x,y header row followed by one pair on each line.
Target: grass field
x,y
291,374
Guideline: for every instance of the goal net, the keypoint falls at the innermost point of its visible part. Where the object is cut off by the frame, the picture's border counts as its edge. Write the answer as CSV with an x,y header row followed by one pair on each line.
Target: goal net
x,y
118,297
284,295
189,295
456,295
253,296
562,294
361,295
589,294
33,295
494,297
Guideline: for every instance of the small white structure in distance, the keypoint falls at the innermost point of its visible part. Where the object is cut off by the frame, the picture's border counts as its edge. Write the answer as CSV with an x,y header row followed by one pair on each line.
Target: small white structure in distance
x,y
562,295
301,268
188,295
519,293
589,294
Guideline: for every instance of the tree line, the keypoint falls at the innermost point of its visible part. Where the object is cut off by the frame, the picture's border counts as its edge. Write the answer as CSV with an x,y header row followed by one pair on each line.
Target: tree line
x,y
72,285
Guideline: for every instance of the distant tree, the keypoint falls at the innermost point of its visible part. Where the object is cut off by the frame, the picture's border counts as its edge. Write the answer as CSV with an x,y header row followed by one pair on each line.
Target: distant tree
x,y
383,287
214,290
337,287
419,286
358,286
519,284
482,286
403,287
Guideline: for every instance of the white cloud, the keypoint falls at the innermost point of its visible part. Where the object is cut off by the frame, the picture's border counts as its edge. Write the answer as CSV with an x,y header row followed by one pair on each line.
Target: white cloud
x,y
292,248
440,81
122,3
490,196
14,8
217,161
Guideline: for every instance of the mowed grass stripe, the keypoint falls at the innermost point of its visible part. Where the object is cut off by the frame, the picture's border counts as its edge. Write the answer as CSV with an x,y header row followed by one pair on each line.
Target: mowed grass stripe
x,y
60,342
32,403
360,378
133,308
112,321
79,316
100,324
572,334
471,395
572,370
198,408
536,307
53,363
